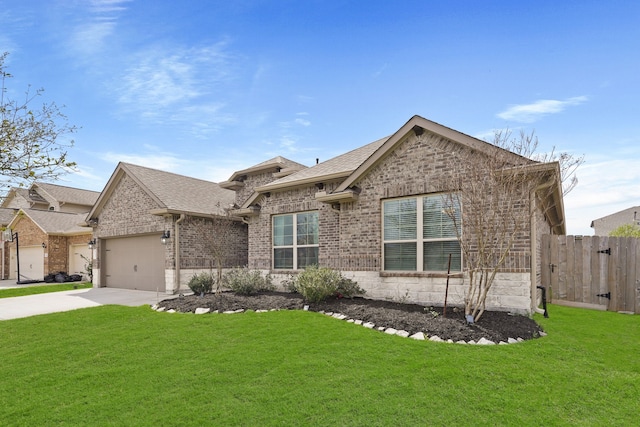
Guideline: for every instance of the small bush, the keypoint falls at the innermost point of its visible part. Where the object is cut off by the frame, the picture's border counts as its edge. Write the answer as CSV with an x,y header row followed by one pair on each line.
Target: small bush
x,y
316,284
201,284
246,282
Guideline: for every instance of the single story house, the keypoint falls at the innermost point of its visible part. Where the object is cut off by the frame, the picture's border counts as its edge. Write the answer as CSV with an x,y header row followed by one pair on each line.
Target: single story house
x,y
46,219
153,230
350,213
605,225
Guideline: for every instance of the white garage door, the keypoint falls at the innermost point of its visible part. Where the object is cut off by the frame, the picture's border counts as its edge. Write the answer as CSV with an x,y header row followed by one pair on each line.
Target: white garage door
x,y
78,264
31,263
134,263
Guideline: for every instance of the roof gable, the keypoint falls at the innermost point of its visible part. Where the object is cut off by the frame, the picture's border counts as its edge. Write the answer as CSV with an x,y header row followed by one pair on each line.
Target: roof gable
x,y
418,125
63,194
172,193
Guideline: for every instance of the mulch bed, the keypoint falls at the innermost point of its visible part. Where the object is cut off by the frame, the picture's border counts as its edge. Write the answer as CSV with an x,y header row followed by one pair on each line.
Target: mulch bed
x,y
495,326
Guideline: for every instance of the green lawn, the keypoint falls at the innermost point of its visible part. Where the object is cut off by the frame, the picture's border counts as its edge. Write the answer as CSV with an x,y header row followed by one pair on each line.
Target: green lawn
x,y
114,365
32,290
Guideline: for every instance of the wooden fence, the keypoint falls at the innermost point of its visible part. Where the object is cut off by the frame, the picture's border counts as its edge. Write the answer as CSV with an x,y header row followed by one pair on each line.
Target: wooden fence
x,y
592,271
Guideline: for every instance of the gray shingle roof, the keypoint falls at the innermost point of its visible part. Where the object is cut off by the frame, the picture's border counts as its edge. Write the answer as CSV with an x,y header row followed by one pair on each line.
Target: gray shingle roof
x,y
279,162
69,194
182,193
340,165
6,215
53,222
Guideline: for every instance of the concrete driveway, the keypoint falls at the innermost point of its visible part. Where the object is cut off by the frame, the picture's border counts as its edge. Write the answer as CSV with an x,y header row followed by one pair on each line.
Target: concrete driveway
x,y
32,305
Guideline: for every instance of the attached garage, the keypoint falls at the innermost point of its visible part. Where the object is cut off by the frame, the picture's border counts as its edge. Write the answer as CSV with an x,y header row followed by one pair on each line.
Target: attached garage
x,y
134,263
31,263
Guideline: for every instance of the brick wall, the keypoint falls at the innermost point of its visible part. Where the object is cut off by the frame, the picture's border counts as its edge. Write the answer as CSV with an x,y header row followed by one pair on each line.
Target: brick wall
x,y
202,238
350,239
126,213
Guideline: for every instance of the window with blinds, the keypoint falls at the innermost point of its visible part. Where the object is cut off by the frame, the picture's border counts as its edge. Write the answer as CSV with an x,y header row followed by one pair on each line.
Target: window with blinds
x,y
295,240
419,233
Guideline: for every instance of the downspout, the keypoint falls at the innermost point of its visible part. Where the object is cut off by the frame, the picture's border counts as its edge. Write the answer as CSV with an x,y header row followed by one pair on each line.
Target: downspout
x,y
176,241
534,239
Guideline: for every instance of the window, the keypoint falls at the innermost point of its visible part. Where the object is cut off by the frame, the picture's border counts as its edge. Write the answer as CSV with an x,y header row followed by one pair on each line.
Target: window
x,y
295,240
419,234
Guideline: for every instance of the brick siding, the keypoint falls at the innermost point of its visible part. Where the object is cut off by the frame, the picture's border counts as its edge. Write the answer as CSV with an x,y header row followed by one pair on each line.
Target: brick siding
x,y
350,238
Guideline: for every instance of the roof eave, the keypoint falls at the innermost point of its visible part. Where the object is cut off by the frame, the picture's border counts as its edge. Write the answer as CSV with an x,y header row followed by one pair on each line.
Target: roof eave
x,y
348,195
169,211
303,182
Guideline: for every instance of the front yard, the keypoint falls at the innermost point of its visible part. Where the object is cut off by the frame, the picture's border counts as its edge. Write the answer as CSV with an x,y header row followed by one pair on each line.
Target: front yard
x,y
115,365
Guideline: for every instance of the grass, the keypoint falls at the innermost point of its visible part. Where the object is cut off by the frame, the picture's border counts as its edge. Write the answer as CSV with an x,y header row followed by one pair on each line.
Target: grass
x,y
32,290
115,365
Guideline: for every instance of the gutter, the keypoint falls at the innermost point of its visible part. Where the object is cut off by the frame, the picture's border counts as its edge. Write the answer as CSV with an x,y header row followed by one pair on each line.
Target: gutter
x,y
176,241
534,239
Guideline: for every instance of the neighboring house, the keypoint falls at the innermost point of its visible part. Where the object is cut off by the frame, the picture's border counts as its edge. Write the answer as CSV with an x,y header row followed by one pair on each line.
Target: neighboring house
x,y
335,214
605,225
52,197
50,240
139,206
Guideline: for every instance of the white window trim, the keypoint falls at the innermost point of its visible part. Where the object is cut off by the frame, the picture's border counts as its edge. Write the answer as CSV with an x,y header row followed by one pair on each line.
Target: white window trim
x,y
295,244
419,240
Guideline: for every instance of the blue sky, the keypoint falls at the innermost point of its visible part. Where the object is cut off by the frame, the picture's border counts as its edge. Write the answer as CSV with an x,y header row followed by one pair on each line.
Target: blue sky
x,y
204,88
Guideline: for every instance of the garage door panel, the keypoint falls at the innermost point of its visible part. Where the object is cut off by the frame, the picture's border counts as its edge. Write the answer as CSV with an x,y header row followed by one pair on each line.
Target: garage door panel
x,y
135,263
31,263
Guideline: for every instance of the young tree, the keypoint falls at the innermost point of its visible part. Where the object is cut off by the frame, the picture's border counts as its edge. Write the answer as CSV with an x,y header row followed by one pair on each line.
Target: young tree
x,y
499,191
626,230
30,138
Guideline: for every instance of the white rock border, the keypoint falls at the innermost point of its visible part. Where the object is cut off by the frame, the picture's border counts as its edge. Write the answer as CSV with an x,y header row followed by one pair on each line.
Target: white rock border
x,y
420,336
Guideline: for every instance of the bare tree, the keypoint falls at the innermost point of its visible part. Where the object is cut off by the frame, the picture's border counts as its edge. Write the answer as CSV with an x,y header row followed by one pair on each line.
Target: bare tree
x,y
216,246
499,192
30,146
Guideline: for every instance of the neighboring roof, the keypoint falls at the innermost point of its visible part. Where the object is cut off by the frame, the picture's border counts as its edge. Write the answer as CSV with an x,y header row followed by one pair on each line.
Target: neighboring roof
x,y
64,194
13,194
631,214
172,193
6,215
42,192
54,222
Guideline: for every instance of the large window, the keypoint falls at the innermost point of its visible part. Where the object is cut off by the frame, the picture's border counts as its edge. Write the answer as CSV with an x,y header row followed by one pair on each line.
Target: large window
x,y
295,240
419,233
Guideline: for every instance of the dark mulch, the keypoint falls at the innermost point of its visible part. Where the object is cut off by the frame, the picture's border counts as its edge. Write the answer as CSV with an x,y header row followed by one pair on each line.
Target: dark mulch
x,y
493,325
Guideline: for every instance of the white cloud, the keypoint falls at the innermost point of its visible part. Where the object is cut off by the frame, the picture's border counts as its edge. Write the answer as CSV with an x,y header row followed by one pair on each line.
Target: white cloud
x,y
90,35
528,113
178,85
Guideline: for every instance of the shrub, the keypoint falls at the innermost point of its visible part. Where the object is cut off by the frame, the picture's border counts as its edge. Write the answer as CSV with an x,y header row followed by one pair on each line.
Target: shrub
x,y
246,282
316,284
201,284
